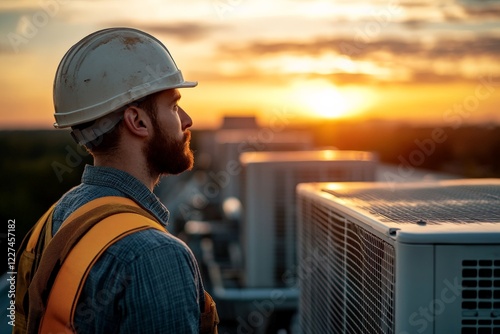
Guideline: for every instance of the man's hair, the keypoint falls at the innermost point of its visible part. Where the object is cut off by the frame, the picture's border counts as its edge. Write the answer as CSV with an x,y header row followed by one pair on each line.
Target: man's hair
x,y
109,140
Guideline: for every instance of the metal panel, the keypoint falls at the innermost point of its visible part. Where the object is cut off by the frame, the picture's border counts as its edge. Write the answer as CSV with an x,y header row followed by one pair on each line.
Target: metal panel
x,y
414,288
259,235
467,298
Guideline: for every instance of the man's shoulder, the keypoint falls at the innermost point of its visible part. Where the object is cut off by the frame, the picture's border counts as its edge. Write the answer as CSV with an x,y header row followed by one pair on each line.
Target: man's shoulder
x,y
128,248
75,198
149,242
84,193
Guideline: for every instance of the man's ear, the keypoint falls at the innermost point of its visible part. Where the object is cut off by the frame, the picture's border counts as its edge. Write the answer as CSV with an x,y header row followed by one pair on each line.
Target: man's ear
x,y
137,121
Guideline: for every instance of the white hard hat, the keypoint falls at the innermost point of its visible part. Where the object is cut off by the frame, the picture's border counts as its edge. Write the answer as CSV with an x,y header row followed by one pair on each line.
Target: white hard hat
x,y
108,70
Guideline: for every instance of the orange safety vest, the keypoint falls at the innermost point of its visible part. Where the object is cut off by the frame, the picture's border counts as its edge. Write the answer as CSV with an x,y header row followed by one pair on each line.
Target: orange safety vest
x,y
52,271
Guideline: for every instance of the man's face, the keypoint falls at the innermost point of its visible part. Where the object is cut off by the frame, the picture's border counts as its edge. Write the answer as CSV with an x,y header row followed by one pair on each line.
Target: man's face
x,y
168,151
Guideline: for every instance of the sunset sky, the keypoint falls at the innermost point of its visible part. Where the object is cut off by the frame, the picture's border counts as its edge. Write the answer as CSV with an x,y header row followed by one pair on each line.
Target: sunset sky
x,y
421,61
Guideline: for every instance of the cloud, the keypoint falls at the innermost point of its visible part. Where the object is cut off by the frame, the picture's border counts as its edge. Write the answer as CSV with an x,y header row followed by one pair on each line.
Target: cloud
x,y
390,60
5,49
8,5
267,78
185,31
356,48
481,9
346,78
483,12
479,46
427,76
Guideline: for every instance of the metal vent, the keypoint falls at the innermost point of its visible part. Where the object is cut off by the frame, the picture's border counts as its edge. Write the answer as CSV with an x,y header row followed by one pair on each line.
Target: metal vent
x,y
346,273
285,250
480,296
452,204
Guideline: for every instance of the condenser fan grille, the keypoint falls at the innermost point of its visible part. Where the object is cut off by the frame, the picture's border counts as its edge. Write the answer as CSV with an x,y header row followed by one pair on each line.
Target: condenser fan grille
x,y
451,204
347,274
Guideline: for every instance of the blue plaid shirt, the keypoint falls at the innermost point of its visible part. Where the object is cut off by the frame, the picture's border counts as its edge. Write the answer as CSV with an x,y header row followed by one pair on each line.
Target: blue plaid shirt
x,y
149,281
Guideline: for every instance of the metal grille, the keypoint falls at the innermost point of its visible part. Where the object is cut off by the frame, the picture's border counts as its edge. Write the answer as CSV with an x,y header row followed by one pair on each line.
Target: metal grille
x,y
480,296
452,204
285,251
346,275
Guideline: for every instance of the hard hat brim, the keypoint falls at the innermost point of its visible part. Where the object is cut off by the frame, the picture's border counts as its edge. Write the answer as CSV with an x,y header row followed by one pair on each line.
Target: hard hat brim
x,y
188,84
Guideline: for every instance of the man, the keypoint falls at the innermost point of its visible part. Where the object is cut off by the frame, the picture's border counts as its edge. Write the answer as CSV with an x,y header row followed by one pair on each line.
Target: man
x,y
118,89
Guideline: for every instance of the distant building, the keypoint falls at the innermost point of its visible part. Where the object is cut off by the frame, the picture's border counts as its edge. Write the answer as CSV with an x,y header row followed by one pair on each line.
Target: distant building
x,y
239,122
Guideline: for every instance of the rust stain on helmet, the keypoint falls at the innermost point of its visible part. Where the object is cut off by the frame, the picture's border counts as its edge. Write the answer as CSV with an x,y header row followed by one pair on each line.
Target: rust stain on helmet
x,y
95,44
130,41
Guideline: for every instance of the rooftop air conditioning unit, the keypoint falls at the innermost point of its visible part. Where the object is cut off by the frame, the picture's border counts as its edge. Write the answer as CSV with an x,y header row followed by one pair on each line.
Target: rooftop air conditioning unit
x,y
230,144
269,224
414,258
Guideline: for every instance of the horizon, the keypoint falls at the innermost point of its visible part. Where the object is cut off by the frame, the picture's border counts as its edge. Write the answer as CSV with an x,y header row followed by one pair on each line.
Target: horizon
x,y
315,61
308,125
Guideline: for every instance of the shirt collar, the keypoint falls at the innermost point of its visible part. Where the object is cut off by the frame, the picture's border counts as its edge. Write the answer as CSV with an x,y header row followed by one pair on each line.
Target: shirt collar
x,y
129,185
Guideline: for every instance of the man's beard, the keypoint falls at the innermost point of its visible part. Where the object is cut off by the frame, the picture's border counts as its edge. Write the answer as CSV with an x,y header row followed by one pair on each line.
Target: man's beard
x,y
167,155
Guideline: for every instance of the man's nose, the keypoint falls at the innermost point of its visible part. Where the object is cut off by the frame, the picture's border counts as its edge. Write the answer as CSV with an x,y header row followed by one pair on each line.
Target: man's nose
x,y
186,121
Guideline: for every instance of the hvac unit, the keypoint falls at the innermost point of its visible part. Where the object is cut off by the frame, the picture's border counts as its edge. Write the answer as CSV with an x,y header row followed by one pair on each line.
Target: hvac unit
x,y
269,224
406,258
231,143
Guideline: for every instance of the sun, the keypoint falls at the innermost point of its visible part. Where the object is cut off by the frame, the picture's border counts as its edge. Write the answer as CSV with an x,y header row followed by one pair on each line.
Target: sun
x,y
327,102
321,99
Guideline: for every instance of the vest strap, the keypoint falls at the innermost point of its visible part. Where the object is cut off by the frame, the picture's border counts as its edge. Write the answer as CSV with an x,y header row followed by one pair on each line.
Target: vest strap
x,y
209,317
27,260
74,229
60,311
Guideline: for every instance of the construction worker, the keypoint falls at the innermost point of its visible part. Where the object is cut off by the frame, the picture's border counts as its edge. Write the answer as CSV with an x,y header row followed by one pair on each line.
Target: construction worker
x,y
118,90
